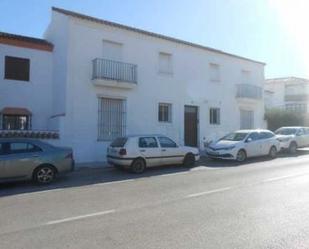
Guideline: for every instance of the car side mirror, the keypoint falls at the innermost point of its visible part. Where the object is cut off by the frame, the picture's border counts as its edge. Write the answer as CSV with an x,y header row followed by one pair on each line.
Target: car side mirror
x,y
249,139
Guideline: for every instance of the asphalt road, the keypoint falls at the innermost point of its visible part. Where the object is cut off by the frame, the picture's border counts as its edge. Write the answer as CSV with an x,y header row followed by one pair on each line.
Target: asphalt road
x,y
261,204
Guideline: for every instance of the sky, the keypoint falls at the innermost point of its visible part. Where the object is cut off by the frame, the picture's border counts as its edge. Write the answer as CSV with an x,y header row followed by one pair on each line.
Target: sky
x,y
272,31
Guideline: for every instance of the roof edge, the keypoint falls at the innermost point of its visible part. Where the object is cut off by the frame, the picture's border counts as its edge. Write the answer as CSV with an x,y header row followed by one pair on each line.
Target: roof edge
x,y
25,41
149,33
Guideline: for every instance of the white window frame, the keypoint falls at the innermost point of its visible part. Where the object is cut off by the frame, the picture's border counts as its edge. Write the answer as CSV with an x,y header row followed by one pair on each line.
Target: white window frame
x,y
169,69
214,72
169,114
214,115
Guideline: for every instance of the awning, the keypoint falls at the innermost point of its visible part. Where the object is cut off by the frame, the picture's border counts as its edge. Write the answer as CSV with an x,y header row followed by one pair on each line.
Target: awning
x,y
15,111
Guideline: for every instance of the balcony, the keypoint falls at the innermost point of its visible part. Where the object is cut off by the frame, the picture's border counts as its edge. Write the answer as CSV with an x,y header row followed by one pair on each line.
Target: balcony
x,y
249,92
111,73
296,97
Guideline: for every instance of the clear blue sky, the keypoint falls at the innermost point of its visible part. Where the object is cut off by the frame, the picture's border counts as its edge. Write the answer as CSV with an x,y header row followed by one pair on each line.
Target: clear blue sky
x,y
257,29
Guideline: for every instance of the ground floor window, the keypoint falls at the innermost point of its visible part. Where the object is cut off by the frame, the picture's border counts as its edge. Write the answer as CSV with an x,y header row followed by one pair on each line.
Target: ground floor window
x,y
246,119
214,116
165,112
112,119
16,122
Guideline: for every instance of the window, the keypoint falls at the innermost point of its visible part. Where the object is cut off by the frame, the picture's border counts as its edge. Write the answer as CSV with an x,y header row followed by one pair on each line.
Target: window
x,y
17,68
112,119
16,122
246,119
166,142
214,72
2,152
147,142
112,50
165,63
16,148
165,112
119,142
214,116
245,77
254,136
266,135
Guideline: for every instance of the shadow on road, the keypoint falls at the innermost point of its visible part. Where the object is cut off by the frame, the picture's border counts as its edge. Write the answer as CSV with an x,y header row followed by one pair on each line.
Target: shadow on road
x,y
89,176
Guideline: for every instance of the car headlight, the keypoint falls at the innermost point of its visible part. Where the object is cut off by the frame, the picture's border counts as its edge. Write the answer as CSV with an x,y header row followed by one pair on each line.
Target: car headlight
x,y
286,139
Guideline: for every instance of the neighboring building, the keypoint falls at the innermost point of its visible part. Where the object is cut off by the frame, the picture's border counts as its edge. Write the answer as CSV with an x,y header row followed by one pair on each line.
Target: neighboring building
x,y
108,80
290,93
25,82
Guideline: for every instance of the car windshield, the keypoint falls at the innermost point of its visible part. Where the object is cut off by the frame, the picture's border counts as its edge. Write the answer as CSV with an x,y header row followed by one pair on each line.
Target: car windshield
x,y
286,131
119,142
235,136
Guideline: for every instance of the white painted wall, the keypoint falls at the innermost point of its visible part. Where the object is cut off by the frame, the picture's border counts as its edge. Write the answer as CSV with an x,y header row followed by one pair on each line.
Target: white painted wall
x,y
188,85
35,94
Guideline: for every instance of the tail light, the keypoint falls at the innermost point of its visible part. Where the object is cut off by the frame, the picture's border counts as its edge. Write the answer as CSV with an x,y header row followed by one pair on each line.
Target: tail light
x,y
69,156
122,152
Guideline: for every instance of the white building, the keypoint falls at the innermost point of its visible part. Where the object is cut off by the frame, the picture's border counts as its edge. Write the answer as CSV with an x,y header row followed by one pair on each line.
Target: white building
x,y
108,80
290,93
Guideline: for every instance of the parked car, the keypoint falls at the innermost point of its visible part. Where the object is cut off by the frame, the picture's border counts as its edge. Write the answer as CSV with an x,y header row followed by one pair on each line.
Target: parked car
x,y
22,159
291,138
240,145
140,152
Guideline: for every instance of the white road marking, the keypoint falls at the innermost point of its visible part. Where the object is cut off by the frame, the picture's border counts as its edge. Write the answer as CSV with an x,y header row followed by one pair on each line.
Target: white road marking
x,y
80,217
112,182
281,177
209,192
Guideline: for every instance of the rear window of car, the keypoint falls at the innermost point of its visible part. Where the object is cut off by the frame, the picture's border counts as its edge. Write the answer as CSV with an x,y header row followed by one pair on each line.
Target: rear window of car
x,y
119,142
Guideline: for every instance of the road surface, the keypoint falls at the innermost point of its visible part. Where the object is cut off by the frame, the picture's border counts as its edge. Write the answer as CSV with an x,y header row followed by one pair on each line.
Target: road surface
x,y
261,204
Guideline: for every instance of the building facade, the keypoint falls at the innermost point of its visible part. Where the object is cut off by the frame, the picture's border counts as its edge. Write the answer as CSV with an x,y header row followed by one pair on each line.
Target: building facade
x,y
290,93
109,80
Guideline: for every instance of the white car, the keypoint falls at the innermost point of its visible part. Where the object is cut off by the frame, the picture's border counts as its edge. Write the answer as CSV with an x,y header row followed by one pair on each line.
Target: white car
x,y
242,144
291,138
139,152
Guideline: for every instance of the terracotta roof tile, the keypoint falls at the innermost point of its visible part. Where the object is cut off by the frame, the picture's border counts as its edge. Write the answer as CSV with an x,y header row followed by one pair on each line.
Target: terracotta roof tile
x,y
25,41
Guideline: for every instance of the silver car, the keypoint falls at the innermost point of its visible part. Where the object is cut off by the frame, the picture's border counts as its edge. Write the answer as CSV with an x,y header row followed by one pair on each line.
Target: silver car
x,y
22,159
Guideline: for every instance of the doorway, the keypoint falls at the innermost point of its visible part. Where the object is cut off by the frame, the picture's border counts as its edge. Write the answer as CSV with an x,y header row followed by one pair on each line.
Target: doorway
x,y
191,125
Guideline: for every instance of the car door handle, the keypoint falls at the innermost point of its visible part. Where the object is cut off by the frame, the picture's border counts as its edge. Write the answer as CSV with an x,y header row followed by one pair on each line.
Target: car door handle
x,y
35,156
142,150
163,150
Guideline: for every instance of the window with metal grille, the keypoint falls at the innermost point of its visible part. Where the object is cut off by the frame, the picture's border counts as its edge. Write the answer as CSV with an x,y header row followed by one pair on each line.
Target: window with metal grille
x,y
17,68
165,112
16,122
214,116
112,119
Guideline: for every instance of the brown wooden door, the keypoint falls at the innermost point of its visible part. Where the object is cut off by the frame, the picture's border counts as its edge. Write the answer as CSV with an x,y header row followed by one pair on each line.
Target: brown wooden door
x,y
191,121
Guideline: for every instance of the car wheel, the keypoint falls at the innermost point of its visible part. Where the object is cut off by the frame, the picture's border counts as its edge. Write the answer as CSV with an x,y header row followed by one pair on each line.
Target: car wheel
x,y
293,148
273,152
138,166
189,160
44,174
241,156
